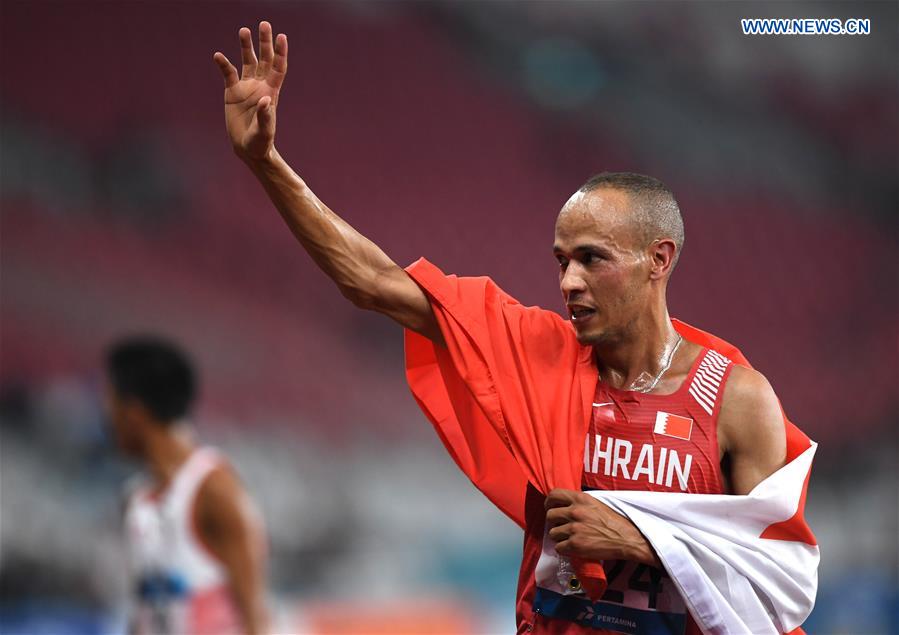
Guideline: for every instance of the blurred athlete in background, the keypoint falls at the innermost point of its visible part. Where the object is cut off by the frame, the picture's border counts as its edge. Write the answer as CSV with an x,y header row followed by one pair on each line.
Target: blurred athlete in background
x,y
195,543
662,409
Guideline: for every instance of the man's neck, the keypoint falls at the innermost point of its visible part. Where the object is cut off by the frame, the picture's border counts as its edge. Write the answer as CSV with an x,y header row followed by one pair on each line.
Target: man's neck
x,y
167,450
643,351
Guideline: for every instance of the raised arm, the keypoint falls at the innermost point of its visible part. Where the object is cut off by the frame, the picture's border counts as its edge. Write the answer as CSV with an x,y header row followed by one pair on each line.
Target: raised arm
x,y
362,271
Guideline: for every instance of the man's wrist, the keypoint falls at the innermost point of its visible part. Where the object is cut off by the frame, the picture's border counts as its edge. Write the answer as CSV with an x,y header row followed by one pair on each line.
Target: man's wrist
x,y
262,164
641,551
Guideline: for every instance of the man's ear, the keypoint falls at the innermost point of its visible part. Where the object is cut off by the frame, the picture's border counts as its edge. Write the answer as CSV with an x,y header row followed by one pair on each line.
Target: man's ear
x,y
662,253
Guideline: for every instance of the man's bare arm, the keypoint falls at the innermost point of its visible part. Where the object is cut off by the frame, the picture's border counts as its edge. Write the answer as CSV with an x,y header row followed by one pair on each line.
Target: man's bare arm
x,y
362,271
228,527
751,430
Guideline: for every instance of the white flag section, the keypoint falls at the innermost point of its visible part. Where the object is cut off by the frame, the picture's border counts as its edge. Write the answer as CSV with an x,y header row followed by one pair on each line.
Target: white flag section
x,y
731,580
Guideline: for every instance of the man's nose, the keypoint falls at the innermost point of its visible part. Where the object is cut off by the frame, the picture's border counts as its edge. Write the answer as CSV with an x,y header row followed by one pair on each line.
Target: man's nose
x,y
572,281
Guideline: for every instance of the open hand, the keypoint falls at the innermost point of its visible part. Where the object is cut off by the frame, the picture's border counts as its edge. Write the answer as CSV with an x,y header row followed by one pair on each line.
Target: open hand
x,y
251,101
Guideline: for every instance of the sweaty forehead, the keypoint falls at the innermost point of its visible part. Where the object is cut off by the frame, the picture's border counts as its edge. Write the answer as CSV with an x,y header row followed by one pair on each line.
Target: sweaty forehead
x,y
602,214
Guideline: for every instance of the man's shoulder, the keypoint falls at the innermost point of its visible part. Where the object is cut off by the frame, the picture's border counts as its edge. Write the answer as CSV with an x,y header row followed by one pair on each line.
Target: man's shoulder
x,y
221,482
748,389
717,344
222,500
751,421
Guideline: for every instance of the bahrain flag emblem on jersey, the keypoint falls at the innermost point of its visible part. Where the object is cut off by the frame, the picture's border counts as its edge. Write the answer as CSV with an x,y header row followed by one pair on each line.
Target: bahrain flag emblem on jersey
x,y
673,425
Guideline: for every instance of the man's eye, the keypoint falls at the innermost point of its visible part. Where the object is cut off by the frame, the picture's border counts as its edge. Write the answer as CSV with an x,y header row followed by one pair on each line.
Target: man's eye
x,y
588,258
563,263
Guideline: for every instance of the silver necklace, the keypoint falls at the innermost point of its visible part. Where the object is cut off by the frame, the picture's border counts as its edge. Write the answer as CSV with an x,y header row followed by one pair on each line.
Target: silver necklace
x,y
665,367
635,387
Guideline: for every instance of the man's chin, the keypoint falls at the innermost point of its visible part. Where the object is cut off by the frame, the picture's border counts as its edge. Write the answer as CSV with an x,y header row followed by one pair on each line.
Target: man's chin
x,y
588,337
597,336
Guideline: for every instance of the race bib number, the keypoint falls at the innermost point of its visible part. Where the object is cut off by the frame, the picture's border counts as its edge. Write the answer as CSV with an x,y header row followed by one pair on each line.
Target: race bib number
x,y
639,599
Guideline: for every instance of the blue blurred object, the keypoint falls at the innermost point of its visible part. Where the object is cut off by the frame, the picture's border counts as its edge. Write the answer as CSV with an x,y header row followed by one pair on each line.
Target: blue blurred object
x,y
561,74
863,603
56,618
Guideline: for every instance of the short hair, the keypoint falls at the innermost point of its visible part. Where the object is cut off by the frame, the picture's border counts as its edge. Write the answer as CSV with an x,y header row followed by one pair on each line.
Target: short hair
x,y
155,372
657,212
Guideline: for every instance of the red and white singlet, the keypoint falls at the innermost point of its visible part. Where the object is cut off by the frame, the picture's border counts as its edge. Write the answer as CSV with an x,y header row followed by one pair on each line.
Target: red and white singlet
x,y
179,587
635,441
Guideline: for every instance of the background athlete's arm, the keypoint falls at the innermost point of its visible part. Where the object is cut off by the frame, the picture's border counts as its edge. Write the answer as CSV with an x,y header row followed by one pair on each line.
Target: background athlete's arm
x,y
228,527
751,436
362,271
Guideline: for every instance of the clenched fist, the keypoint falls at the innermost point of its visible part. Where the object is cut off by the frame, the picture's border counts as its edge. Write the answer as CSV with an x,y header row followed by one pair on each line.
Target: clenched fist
x,y
585,528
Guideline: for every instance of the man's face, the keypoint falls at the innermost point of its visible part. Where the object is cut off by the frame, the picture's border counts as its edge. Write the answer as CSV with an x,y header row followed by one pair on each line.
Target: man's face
x,y
124,421
604,267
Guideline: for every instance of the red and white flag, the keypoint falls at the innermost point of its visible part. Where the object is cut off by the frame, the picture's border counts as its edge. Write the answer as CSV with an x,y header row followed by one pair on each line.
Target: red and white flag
x,y
673,425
